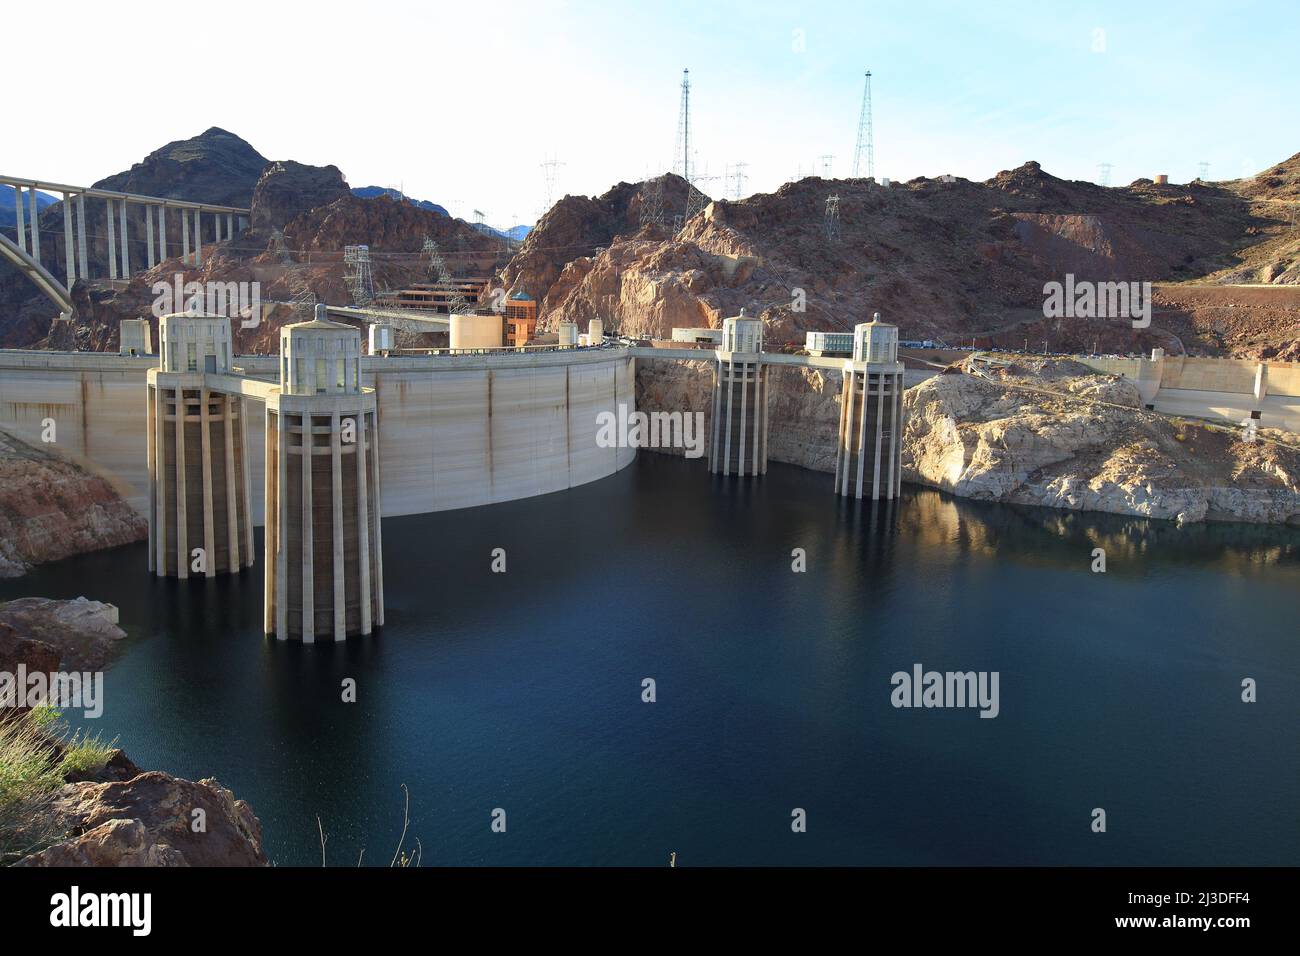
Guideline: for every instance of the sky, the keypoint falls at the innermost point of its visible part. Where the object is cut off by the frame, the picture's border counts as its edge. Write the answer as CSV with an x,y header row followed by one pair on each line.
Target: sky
x,y
461,103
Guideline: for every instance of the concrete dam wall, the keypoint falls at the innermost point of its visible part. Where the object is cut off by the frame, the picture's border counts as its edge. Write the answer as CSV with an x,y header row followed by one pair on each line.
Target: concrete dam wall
x,y
453,431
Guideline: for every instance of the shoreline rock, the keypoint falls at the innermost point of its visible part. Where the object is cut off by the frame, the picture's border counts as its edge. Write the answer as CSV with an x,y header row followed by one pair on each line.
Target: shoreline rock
x,y
117,814
52,509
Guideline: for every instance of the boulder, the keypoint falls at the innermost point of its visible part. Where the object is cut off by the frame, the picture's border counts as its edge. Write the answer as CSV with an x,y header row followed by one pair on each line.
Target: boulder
x,y
149,820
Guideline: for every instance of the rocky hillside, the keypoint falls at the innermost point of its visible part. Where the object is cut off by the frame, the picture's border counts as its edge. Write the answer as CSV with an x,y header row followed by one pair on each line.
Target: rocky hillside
x,y
51,509
945,258
1056,434
301,217
216,166
578,227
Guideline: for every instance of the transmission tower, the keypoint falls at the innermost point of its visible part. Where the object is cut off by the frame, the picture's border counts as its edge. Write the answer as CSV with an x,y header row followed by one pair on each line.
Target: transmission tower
x,y
827,163
682,151
1204,170
303,300
438,269
549,169
1105,169
864,154
735,179
652,201
695,198
357,274
832,224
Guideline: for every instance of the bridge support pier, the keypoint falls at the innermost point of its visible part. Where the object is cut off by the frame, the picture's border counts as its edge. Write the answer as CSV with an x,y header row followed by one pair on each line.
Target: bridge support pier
x,y
868,459
198,239
81,235
112,244
20,219
69,252
36,223
323,554
126,255
162,233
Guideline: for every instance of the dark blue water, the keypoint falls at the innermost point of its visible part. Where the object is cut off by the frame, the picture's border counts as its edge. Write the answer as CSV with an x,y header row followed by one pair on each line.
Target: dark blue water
x,y
523,690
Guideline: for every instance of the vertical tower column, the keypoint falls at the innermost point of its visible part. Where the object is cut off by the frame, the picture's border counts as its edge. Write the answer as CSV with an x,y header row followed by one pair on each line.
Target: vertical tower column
x,y
112,244
36,224
162,233
739,433
197,467
198,239
69,253
323,541
20,218
126,255
868,455
81,236
148,235
185,237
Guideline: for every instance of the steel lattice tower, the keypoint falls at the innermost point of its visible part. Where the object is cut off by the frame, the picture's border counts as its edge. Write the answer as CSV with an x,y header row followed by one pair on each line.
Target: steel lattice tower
x,y
682,153
652,201
357,274
865,150
832,225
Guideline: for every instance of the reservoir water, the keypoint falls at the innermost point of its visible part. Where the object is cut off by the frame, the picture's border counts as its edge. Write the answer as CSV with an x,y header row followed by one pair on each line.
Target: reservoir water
x,y
523,690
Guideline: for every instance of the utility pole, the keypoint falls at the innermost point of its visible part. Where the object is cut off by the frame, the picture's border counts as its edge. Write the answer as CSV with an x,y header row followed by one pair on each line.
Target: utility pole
x,y
864,153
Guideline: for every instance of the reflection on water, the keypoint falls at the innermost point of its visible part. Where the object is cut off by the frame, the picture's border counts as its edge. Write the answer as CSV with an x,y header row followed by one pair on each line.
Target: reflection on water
x,y
523,690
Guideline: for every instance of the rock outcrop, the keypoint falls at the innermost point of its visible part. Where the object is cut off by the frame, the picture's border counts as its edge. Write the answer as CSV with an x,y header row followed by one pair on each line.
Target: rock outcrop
x,y
580,226
18,649
1089,448
113,813
51,509
287,189
1056,434
149,820
84,634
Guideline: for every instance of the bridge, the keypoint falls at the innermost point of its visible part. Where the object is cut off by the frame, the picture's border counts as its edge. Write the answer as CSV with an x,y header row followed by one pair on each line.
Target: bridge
x,y
191,219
